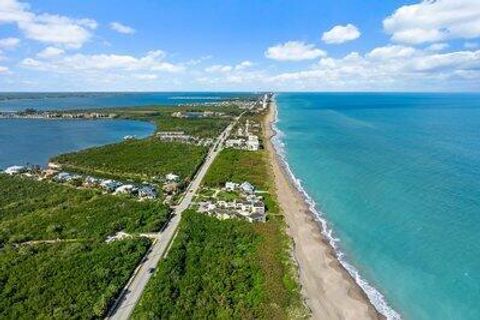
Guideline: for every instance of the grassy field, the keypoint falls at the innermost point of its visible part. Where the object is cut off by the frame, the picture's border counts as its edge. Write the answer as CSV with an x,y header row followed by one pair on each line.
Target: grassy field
x,y
34,210
65,280
137,160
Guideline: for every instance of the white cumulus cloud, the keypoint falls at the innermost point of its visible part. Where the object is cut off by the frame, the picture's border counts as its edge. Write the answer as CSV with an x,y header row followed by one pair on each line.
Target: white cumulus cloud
x,y
50,52
9,43
152,61
45,27
121,28
383,69
433,21
294,51
340,34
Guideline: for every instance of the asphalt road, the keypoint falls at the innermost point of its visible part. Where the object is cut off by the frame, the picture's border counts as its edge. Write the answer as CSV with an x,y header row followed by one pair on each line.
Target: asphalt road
x,y
132,292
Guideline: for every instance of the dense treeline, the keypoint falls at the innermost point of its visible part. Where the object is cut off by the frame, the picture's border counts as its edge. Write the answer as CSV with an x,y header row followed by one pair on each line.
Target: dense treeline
x,y
223,270
199,127
209,273
33,210
204,127
238,166
65,280
138,159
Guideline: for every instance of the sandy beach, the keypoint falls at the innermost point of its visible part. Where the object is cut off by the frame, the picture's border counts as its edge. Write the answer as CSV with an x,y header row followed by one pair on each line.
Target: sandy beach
x,y
328,289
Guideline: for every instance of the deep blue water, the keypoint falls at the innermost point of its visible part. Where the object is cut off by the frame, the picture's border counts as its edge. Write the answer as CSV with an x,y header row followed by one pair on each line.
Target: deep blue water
x,y
397,176
25,141
69,101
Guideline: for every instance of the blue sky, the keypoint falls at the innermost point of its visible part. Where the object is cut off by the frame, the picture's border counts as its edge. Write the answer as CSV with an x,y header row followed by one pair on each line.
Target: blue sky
x,y
342,45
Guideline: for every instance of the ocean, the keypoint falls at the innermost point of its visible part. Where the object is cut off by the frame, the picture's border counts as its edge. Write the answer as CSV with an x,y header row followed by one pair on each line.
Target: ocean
x,y
396,177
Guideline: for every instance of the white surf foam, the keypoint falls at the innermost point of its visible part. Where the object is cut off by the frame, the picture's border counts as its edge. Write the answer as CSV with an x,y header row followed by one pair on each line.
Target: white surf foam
x,y
376,297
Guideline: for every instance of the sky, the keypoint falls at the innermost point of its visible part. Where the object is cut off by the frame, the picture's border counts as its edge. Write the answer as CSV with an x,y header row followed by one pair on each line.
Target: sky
x,y
240,45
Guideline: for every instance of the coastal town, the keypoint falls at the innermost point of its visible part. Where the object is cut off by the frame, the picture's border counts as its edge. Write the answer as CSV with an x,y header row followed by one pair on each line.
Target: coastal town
x,y
55,115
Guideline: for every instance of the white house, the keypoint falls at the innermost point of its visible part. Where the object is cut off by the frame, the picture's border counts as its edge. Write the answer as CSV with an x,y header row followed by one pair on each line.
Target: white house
x,y
126,189
231,186
230,143
15,170
247,187
147,192
171,177
252,143
110,185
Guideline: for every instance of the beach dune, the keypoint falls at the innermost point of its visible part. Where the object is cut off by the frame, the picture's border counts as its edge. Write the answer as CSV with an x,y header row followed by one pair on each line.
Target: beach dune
x,y
328,289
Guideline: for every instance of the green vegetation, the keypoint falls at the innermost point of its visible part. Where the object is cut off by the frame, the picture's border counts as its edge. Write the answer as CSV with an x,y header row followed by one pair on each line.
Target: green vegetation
x,y
228,269
137,160
199,127
239,166
222,270
203,127
33,210
210,272
65,280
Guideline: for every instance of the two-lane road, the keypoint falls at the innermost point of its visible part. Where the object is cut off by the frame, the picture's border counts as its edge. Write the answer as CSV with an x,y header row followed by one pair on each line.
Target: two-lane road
x,y
132,292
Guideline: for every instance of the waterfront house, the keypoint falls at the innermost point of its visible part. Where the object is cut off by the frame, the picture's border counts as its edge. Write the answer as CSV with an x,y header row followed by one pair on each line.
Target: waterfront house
x,y
63,177
15,170
247,187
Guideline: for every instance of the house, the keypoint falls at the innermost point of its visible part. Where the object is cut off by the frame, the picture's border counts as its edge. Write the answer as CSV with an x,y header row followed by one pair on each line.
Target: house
x,y
62,177
15,170
126,189
231,143
110,185
171,177
48,173
147,192
252,143
256,217
258,207
54,166
91,182
231,186
247,187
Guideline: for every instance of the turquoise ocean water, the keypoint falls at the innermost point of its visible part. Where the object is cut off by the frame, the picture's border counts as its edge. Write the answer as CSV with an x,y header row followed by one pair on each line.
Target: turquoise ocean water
x,y
397,178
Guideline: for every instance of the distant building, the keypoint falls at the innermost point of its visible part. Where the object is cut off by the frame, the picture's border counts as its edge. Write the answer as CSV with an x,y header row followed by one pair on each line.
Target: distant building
x,y
15,170
247,187
63,177
147,192
171,177
110,185
126,189
231,186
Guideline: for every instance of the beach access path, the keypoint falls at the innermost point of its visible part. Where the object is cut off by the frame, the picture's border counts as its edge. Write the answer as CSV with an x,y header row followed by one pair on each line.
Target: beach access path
x,y
328,289
130,295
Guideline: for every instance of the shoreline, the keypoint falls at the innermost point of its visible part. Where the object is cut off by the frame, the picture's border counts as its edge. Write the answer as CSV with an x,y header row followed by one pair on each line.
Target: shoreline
x,y
328,289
